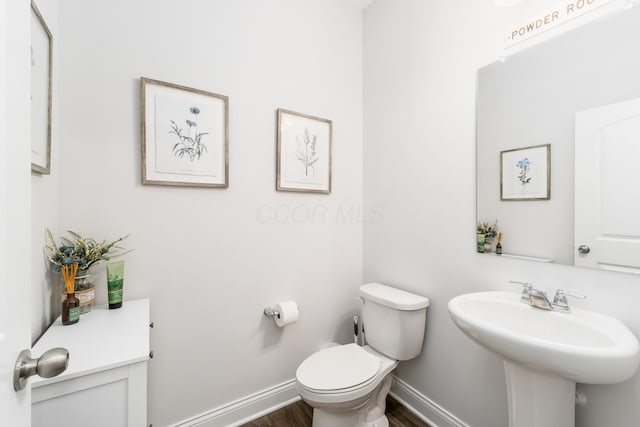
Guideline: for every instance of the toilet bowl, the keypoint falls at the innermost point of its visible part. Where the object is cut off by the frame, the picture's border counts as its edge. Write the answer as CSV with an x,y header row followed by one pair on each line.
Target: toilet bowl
x,y
347,385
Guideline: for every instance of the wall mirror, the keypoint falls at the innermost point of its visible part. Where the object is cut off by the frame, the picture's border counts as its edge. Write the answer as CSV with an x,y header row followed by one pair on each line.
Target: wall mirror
x,y
578,93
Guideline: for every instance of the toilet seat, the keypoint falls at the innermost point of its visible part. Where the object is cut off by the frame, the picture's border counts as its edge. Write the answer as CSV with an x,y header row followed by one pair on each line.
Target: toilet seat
x,y
343,376
338,369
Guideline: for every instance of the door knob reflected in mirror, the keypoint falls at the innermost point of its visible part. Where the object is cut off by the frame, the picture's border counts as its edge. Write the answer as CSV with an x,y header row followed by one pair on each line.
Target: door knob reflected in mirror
x,y
53,362
584,249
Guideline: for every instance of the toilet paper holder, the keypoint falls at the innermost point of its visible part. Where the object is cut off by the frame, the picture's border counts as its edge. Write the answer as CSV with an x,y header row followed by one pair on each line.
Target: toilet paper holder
x,y
283,313
271,312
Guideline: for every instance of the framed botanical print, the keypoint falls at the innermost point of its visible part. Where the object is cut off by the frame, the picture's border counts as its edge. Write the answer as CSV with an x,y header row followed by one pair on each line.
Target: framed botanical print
x,y
304,153
525,173
41,79
185,135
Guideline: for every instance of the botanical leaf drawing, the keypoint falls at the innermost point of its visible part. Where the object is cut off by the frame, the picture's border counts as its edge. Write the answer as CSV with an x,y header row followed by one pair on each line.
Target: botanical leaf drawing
x,y
189,145
306,152
525,166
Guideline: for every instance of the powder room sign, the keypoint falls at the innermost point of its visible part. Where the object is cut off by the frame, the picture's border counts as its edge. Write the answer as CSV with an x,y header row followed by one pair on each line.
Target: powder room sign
x,y
559,15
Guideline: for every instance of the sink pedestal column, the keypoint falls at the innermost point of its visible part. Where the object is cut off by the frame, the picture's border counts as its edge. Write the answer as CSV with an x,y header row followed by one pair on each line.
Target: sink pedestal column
x,y
537,399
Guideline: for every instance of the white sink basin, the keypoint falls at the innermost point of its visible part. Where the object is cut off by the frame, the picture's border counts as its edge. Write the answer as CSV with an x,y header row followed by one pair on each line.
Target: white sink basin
x,y
581,346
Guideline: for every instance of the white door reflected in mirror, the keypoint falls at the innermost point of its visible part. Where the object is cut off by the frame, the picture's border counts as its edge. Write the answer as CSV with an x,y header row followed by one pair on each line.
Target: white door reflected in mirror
x,y
607,187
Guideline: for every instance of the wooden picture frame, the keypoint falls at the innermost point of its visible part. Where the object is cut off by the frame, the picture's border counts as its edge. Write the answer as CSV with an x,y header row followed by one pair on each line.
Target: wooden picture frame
x,y
304,153
41,92
185,135
525,173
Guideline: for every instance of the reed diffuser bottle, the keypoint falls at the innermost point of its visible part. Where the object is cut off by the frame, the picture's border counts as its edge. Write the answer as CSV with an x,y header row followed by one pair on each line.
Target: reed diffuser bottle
x,y
71,304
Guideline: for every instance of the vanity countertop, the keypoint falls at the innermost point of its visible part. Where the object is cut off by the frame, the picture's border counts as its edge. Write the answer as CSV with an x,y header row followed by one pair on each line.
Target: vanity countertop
x,y
102,339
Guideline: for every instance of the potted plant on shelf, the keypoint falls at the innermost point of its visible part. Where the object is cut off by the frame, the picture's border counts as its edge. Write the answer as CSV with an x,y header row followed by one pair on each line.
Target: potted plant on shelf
x,y
86,252
485,234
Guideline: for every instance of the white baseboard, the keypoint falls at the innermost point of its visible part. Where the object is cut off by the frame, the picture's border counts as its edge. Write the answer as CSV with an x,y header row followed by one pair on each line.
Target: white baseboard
x,y
246,409
423,407
263,402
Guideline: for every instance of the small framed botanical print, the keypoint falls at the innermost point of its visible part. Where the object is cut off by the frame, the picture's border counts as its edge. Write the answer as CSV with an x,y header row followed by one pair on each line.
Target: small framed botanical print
x,y
525,173
304,153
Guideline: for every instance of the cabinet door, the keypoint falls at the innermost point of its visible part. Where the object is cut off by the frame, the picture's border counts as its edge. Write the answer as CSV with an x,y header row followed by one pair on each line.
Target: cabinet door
x,y
102,406
112,398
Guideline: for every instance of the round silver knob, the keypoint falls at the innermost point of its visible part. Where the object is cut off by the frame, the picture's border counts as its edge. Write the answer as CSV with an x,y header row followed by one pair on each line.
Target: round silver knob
x,y
53,362
584,249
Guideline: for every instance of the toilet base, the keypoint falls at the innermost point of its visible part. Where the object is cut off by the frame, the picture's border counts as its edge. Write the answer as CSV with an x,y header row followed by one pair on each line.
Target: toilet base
x,y
322,418
370,413
380,422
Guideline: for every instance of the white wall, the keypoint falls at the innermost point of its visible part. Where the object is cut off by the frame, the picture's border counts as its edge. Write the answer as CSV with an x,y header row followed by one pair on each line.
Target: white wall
x,y
45,202
420,62
211,259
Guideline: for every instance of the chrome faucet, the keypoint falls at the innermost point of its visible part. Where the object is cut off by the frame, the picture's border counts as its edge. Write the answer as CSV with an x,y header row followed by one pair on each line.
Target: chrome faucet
x,y
539,299
560,302
526,291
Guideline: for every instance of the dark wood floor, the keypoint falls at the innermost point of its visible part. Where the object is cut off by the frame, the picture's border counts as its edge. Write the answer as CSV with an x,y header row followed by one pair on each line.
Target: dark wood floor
x,y
299,414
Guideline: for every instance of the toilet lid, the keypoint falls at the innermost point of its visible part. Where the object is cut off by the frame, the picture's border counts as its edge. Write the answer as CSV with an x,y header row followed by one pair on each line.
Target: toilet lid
x,y
336,368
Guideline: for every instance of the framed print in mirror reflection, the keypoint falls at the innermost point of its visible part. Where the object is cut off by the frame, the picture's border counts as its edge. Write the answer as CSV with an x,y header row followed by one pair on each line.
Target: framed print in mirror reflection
x,y
525,173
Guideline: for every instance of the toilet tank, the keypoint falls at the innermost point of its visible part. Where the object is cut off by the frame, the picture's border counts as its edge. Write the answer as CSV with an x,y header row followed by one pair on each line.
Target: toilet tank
x,y
394,320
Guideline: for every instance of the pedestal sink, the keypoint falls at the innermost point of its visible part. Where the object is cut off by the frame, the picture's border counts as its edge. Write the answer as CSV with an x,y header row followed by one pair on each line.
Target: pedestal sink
x,y
546,352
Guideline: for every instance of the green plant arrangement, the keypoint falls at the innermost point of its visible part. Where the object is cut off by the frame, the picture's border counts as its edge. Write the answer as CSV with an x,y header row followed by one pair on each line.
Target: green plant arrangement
x,y
484,236
490,231
81,250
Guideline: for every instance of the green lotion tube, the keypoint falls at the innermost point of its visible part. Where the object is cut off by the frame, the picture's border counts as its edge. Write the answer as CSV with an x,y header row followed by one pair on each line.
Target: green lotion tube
x,y
115,280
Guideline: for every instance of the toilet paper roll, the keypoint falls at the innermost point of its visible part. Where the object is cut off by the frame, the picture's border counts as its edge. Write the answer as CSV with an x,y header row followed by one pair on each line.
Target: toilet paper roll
x,y
287,313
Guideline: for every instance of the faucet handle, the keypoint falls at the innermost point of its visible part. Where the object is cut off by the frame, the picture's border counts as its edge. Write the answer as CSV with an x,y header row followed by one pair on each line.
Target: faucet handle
x,y
526,290
560,302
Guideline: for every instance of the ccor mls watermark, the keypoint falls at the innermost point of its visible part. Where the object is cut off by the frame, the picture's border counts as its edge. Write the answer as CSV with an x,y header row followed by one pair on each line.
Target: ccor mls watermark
x,y
319,214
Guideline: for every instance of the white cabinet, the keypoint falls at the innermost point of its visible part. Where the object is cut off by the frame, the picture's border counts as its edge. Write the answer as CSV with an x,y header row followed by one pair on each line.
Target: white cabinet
x,y
105,384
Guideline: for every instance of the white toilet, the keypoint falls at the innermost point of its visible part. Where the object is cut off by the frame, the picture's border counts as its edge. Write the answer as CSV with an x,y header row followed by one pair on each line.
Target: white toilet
x,y
347,385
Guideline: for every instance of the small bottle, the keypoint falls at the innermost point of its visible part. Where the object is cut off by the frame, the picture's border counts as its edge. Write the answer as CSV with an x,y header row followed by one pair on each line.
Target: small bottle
x,y
499,245
70,310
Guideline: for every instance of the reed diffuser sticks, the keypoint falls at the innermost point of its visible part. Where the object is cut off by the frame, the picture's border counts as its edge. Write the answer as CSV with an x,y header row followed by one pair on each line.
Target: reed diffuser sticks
x,y
71,304
69,276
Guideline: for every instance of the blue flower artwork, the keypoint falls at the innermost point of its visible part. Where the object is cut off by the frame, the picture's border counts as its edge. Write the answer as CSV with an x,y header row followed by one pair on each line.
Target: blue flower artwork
x,y
524,165
525,173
